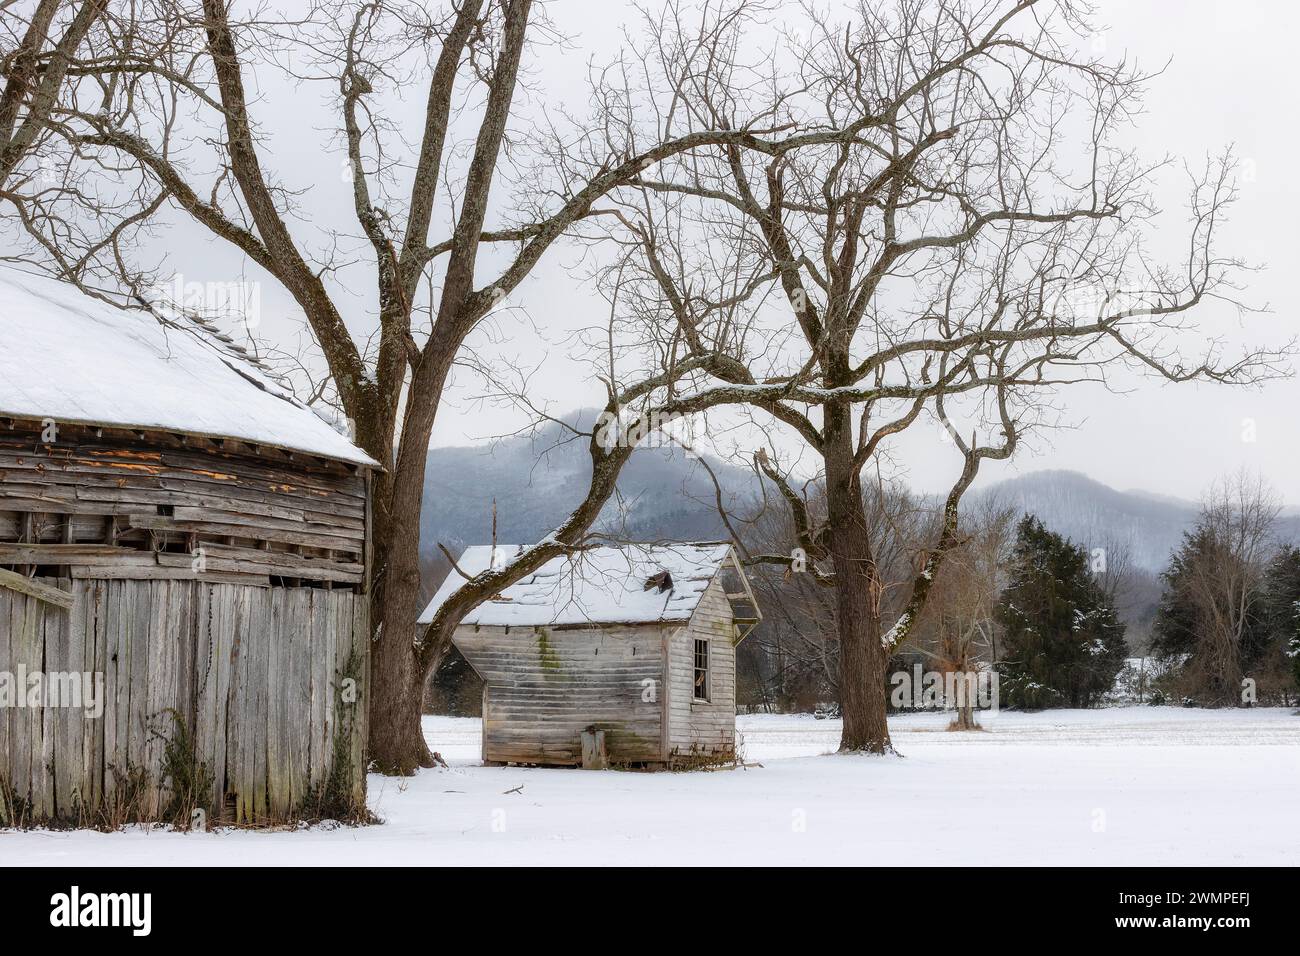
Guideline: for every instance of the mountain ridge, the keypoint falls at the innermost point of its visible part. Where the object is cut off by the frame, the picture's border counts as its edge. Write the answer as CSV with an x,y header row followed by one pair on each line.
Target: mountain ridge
x,y
536,481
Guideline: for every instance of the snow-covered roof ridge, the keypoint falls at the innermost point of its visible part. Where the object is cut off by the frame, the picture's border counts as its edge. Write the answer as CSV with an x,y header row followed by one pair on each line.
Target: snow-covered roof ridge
x,y
610,584
71,357
211,333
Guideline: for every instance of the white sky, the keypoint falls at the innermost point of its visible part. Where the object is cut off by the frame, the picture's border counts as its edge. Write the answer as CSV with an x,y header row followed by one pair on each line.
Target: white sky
x,y
1229,82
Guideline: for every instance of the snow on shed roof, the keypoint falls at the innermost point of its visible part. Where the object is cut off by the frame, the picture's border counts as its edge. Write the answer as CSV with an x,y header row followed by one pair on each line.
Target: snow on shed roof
x,y
73,358
605,585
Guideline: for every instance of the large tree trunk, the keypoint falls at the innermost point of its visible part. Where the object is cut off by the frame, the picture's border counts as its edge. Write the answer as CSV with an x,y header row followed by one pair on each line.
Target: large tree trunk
x,y
862,670
965,718
396,743
863,659
397,677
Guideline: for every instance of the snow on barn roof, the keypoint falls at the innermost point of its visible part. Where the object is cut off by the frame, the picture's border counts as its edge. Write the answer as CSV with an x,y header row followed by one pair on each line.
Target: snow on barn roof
x,y
605,585
70,357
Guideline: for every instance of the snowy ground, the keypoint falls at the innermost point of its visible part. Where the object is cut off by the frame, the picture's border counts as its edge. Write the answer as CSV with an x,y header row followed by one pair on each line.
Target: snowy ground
x,y
1135,785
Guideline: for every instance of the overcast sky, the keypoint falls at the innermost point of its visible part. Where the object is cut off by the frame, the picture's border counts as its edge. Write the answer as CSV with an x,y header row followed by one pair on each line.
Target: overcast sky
x,y
1229,81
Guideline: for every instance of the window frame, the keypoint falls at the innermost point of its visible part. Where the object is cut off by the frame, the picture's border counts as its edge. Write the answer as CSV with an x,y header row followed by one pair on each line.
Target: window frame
x,y
701,649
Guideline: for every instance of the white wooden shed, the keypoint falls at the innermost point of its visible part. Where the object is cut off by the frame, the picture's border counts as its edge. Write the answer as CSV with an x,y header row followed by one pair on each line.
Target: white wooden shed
x,y
621,655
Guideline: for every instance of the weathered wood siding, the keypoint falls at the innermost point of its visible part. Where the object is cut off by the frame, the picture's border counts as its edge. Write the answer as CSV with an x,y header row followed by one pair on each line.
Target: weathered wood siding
x,y
700,729
120,504
544,686
257,677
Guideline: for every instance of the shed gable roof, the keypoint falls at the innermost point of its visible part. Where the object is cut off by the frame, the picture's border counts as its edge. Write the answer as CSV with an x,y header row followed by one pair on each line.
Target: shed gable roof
x,y
605,585
73,358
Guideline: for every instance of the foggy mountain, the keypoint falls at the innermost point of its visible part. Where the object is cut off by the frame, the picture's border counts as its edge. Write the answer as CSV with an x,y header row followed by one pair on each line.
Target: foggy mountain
x,y
1149,525
665,493
537,480
1094,515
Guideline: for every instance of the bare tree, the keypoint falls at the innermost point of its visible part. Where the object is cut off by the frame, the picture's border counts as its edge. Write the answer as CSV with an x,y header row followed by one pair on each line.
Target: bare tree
x,y
799,635
36,47
1214,611
1112,562
161,117
952,262
958,633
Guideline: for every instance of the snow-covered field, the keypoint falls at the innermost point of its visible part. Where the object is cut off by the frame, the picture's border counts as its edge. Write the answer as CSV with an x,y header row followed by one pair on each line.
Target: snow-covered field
x,y
1134,785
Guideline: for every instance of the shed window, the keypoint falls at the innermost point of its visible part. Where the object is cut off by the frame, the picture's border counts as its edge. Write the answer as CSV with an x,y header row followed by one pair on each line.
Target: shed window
x,y
701,670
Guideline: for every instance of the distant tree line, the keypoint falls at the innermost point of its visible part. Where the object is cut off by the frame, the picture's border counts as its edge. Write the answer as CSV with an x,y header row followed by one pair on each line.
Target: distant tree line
x,y
1228,625
1042,610
1014,596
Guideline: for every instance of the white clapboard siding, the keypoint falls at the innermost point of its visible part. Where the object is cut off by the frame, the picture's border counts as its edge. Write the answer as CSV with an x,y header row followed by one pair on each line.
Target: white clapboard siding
x,y
544,686
699,728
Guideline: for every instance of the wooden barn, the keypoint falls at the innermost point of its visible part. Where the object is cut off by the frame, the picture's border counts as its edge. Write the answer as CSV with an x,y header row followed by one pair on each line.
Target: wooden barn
x,y
619,656
183,621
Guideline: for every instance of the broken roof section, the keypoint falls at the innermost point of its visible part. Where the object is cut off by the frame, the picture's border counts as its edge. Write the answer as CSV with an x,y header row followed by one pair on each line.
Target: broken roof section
x,y
70,357
604,585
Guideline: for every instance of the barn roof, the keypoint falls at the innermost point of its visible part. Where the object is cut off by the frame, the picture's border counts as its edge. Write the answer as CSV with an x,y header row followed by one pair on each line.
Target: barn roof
x,y
605,585
74,358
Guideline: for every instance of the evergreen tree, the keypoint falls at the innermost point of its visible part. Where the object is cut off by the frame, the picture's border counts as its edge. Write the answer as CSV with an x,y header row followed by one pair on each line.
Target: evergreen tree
x,y
1064,643
1293,652
1173,633
1282,604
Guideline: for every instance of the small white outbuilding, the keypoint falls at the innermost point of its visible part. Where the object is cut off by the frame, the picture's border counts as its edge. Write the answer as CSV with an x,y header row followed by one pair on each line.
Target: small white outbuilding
x,y
620,655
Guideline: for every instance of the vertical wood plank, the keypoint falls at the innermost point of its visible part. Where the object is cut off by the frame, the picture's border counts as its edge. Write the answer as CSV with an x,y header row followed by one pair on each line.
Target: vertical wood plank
x,y
6,665
44,630
260,644
225,658
117,683
236,727
255,675
318,687
20,766
182,654
94,594
328,652
33,645
204,693
138,723
277,748
157,722
298,698
352,634
63,659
